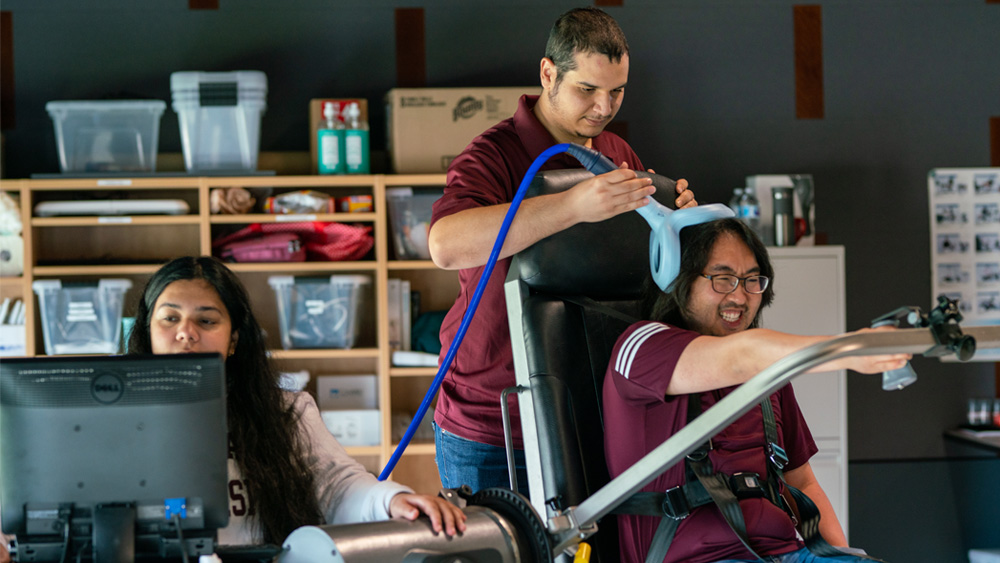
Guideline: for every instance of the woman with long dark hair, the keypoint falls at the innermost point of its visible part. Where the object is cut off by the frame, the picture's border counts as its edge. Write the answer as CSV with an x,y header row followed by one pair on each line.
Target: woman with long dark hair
x,y
286,470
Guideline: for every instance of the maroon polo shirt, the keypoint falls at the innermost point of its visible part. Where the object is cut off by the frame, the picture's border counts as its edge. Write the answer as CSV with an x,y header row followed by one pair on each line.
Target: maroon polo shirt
x,y
489,172
639,416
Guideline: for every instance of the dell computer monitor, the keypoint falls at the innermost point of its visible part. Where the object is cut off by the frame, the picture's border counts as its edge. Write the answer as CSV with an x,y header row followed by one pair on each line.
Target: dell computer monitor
x,y
103,457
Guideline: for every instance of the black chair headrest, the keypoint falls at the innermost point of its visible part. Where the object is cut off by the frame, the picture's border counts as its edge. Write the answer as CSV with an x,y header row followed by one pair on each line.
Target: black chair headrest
x,y
606,260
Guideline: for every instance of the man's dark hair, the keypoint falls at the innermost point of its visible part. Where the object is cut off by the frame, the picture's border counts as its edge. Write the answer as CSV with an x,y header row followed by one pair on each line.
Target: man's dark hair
x,y
584,30
697,242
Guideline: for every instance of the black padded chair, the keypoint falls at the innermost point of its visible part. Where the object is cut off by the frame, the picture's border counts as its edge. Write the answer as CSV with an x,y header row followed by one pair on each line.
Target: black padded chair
x,y
562,335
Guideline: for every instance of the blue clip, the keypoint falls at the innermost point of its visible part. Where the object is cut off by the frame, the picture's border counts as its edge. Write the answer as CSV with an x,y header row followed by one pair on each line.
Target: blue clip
x,y
176,506
777,455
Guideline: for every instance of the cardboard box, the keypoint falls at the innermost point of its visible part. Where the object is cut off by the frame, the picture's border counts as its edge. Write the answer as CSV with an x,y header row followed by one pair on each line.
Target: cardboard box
x,y
429,127
316,114
335,392
354,427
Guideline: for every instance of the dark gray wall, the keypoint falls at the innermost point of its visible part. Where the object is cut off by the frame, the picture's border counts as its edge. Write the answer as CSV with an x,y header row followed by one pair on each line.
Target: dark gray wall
x,y
909,86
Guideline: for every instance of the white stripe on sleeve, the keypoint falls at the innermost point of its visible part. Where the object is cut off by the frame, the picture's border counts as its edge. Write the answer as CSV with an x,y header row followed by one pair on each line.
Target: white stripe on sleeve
x,y
631,345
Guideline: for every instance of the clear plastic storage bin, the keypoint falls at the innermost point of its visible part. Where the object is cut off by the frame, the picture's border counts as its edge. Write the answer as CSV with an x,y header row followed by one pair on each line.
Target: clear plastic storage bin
x,y
81,317
107,135
219,115
410,215
320,312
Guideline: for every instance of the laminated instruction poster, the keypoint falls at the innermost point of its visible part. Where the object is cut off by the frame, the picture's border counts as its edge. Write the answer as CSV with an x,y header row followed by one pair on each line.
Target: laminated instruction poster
x,y
965,243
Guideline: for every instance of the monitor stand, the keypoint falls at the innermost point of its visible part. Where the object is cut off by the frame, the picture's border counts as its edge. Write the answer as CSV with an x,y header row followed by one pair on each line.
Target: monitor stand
x,y
114,533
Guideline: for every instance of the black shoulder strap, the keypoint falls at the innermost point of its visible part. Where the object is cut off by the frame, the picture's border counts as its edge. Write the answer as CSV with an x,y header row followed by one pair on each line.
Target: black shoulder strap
x,y
808,514
716,484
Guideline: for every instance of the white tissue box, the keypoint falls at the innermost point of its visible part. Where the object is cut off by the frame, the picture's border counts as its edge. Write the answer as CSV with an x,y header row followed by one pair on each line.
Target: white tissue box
x,y
342,392
360,427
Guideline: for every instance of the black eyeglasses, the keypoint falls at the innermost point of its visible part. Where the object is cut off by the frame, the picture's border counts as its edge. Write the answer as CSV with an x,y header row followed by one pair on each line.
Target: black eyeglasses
x,y
726,283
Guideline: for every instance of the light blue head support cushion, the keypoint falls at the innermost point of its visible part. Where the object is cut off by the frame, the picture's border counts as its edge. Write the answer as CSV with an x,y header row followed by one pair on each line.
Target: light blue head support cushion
x,y
664,236
666,224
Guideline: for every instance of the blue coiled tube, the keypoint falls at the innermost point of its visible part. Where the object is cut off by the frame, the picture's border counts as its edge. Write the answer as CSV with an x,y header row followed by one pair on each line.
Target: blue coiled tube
x,y
473,304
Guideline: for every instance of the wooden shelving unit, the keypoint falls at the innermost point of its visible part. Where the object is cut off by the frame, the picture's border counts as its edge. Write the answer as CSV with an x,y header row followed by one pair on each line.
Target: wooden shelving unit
x,y
133,247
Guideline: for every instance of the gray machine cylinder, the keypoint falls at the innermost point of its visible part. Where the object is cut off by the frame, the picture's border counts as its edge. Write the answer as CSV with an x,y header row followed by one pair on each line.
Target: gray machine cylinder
x,y
501,527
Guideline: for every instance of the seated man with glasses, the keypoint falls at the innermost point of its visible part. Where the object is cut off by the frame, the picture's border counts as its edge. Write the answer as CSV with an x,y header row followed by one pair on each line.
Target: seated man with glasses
x,y
730,500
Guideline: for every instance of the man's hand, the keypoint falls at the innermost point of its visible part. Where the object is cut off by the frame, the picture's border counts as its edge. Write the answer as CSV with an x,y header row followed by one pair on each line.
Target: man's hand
x,y
685,197
875,364
444,515
607,195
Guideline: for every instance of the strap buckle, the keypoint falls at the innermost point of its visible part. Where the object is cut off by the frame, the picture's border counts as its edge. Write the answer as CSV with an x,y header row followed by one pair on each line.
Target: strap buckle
x,y
746,485
777,455
675,504
701,452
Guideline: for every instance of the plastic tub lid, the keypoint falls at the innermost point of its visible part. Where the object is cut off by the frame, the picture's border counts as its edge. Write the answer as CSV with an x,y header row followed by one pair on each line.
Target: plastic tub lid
x,y
279,282
191,80
398,192
352,280
106,105
40,286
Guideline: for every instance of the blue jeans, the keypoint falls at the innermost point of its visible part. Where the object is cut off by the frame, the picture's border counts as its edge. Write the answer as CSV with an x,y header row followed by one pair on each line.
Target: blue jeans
x,y
480,466
801,556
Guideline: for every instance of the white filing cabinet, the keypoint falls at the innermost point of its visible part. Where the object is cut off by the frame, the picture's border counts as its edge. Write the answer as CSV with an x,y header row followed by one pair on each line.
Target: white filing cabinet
x,y
809,298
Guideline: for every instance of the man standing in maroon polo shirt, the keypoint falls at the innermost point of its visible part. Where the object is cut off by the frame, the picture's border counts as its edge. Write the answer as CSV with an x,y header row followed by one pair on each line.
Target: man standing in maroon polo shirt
x,y
583,77
701,343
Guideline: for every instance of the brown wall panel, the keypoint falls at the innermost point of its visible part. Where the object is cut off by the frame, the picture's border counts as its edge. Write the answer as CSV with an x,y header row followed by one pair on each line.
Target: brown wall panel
x,y
609,3
411,52
6,70
203,4
995,141
808,22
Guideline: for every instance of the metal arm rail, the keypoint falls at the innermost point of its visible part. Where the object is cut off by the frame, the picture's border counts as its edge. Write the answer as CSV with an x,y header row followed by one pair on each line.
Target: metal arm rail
x,y
576,523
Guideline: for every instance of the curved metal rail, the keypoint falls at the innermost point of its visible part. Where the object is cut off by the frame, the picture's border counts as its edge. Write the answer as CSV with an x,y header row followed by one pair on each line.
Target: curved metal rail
x,y
577,523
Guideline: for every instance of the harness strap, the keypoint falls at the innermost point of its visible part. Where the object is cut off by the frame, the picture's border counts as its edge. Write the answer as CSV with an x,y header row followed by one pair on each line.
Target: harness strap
x,y
716,484
809,516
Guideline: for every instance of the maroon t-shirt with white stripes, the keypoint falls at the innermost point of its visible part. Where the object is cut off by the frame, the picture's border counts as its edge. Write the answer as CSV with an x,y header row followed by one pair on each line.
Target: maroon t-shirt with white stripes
x,y
489,172
639,416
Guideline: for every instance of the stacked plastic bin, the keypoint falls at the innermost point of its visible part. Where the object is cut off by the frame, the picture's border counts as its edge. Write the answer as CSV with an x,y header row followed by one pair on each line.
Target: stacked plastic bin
x,y
320,312
82,317
219,115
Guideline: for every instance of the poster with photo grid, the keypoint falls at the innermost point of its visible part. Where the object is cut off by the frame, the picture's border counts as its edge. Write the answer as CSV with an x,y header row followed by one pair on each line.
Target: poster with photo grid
x,y
965,243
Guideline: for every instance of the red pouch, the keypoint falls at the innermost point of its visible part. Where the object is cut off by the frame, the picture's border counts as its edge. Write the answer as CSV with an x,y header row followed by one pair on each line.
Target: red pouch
x,y
322,241
277,247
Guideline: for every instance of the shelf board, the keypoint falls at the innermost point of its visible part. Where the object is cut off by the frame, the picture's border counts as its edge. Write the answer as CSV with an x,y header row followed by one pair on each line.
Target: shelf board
x,y
412,265
412,372
328,181
11,282
417,448
95,270
299,267
323,354
403,180
289,218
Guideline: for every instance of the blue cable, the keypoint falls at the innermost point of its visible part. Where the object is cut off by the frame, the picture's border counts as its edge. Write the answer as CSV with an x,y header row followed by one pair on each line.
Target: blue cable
x,y
473,304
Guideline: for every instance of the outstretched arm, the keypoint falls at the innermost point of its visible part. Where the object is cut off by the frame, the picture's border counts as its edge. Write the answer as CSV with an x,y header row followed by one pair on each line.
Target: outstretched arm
x,y
714,362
